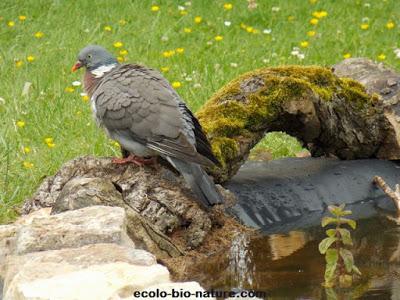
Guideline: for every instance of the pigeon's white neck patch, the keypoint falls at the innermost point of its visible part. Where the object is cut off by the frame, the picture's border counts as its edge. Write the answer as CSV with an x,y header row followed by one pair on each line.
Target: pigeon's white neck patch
x,y
100,71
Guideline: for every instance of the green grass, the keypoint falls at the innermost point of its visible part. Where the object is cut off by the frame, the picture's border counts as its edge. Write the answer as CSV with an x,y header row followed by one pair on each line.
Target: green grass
x,y
49,111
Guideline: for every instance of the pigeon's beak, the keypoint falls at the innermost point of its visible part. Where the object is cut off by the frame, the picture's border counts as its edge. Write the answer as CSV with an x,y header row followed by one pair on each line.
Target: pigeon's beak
x,y
76,66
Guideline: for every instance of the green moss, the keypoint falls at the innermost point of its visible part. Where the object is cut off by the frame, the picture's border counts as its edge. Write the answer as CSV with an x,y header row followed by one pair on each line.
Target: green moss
x,y
225,149
234,112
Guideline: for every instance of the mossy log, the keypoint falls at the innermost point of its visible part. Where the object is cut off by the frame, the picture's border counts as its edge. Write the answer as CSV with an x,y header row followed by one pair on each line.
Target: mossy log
x,y
330,115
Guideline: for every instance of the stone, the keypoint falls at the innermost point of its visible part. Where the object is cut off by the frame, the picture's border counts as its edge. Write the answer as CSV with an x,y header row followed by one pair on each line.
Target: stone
x,y
95,224
62,281
177,290
87,191
8,238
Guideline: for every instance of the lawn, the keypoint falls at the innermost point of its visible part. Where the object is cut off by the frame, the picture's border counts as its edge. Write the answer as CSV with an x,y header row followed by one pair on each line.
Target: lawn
x,y
198,45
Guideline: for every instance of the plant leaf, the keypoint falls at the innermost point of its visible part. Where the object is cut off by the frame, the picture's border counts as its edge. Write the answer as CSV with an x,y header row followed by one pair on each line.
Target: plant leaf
x,y
356,270
349,222
331,256
345,281
346,236
328,220
331,232
348,259
325,244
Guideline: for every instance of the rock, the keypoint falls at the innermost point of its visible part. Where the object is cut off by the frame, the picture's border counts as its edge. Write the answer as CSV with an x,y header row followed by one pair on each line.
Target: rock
x,y
177,290
62,281
83,192
96,224
8,238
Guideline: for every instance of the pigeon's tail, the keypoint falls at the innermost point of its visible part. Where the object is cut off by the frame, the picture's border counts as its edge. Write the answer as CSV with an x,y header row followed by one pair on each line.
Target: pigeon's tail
x,y
198,180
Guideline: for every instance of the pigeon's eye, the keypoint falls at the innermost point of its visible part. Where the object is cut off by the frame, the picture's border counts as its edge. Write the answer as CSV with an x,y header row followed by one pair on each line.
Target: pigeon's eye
x,y
89,56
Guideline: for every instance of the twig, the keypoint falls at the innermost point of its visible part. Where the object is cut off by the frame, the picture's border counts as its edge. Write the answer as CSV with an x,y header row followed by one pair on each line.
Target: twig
x,y
394,195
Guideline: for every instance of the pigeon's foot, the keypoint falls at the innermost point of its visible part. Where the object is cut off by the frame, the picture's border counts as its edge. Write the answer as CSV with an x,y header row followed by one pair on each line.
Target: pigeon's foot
x,y
137,160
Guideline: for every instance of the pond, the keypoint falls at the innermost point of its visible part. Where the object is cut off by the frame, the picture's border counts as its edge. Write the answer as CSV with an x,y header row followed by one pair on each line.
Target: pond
x,y
289,266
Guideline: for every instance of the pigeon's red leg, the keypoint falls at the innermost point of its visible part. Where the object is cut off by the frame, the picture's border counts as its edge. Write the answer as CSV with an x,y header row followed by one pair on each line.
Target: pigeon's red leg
x,y
137,160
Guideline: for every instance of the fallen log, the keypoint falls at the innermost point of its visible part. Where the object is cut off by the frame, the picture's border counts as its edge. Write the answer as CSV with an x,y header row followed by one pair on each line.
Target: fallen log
x,y
328,114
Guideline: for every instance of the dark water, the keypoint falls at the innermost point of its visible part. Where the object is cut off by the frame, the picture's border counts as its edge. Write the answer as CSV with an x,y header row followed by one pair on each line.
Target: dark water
x,y
289,266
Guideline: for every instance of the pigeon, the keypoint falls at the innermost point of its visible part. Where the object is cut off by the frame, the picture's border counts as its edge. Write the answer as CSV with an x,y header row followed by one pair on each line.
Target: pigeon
x,y
137,107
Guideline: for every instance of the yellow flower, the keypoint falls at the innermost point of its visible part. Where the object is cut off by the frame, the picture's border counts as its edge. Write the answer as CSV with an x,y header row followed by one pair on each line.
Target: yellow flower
x,y
314,21
381,56
228,6
27,165
155,8
291,18
69,89
364,26
122,22
390,25
107,28
183,12
180,50
22,18
304,44
313,1
10,23
346,55
198,19
118,44
164,69
187,30
30,58
39,34
116,144
320,14
311,33
26,150
176,84
19,63
168,53
20,124
48,140
123,52
249,29
120,59
243,26
85,98
219,38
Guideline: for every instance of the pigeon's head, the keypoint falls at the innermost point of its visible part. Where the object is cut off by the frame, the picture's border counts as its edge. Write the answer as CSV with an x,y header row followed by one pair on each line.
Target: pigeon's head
x,y
92,57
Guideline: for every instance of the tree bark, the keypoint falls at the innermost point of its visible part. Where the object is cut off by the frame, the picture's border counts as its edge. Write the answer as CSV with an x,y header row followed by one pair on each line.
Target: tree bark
x,y
331,115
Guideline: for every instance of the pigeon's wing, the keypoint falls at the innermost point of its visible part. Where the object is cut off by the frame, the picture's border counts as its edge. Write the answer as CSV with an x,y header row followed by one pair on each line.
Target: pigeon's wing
x,y
136,102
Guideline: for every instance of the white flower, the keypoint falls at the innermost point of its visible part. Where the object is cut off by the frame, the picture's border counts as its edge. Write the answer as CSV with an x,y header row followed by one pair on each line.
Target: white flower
x,y
367,5
197,85
265,60
301,56
234,65
83,94
209,43
227,23
365,20
274,54
276,8
267,31
76,83
188,78
180,7
188,3
164,38
397,52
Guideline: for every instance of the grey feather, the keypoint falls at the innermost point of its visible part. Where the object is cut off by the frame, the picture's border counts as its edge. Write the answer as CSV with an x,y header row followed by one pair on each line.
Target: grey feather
x,y
137,107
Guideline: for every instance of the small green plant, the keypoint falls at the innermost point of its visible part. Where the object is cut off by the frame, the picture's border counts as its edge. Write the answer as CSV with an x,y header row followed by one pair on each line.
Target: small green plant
x,y
340,268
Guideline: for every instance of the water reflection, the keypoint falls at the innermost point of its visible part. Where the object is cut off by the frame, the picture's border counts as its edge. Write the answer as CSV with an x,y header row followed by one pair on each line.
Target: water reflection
x,y
289,266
